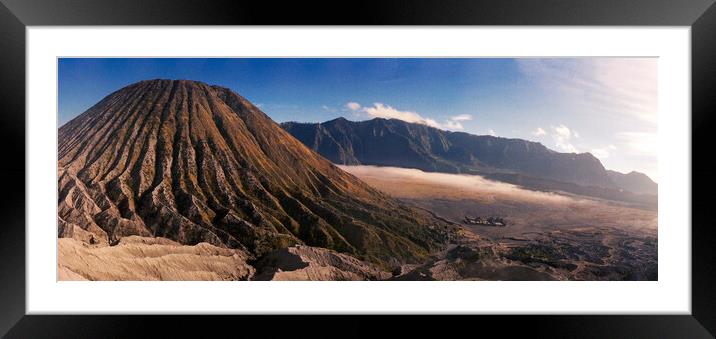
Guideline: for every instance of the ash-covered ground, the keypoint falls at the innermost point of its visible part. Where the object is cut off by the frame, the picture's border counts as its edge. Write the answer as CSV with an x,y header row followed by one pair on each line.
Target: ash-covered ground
x,y
548,236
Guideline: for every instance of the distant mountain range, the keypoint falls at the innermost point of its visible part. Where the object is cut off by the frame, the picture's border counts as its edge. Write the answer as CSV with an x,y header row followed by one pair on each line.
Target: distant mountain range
x,y
391,142
197,163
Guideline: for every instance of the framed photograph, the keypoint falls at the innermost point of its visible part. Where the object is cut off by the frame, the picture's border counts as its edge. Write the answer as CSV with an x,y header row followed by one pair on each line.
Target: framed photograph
x,y
504,163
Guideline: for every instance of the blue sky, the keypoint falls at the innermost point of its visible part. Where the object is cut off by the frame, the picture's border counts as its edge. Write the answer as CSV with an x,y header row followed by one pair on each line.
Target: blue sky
x,y
606,106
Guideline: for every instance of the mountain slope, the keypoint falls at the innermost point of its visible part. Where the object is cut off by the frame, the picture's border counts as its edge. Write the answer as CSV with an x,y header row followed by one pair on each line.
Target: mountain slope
x,y
399,143
195,163
634,181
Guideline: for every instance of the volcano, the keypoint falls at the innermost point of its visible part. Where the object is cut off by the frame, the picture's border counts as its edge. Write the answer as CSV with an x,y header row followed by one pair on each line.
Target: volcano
x,y
195,163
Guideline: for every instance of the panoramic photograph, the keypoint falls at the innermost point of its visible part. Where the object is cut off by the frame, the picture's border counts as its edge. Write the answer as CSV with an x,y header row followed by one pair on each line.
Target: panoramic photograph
x,y
380,169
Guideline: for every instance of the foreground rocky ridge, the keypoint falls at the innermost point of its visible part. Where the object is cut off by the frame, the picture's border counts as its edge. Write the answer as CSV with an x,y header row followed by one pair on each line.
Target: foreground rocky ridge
x,y
143,258
313,263
200,164
555,256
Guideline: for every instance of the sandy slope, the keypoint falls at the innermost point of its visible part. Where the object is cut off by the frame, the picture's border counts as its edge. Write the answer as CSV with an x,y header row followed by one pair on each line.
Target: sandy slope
x,y
137,258
143,258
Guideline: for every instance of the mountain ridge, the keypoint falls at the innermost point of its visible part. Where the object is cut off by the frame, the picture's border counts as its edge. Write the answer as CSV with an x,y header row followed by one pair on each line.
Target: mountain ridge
x,y
392,142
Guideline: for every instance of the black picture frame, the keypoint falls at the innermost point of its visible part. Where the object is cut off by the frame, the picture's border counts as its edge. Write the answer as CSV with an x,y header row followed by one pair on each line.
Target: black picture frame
x,y
15,15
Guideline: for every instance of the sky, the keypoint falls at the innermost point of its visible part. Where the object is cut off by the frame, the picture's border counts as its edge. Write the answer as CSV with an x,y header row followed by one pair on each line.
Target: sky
x,y
605,106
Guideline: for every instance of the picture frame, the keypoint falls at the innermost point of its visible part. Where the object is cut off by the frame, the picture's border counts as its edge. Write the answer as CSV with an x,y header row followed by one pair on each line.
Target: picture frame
x,y
16,15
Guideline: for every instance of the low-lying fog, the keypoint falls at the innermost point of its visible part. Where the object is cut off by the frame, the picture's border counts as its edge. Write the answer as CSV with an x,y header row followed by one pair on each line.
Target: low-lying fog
x,y
455,196
595,239
414,183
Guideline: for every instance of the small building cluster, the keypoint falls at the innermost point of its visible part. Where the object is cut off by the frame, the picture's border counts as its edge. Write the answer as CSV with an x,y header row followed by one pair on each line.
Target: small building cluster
x,y
489,221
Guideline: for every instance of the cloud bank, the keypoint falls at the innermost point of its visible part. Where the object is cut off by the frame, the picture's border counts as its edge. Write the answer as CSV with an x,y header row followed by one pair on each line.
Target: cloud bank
x,y
562,138
408,182
539,132
380,110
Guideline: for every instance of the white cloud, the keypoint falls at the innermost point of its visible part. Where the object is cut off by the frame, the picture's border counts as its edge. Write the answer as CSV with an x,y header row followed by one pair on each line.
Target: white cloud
x,y
353,106
562,131
454,125
492,132
461,117
603,152
539,132
600,153
567,147
561,136
380,110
